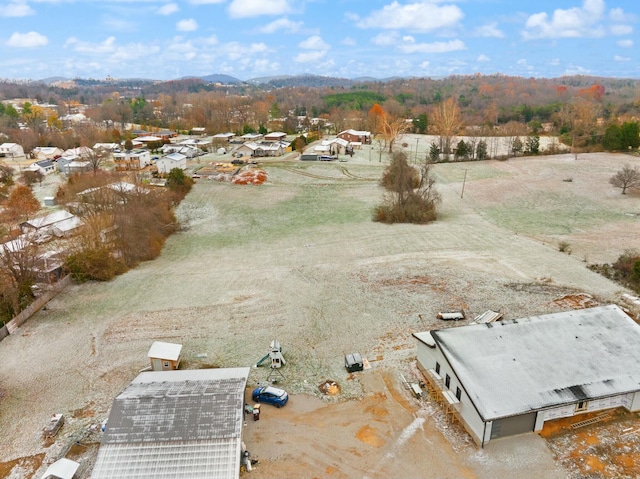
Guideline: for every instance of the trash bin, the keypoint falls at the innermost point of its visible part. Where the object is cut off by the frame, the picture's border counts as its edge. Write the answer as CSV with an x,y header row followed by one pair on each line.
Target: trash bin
x,y
256,412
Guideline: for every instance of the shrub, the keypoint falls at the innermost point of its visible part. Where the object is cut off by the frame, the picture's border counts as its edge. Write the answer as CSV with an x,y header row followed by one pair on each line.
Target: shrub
x,y
94,264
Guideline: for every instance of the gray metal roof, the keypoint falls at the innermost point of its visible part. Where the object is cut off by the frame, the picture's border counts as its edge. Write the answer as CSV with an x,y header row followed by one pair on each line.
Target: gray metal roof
x,y
175,424
511,367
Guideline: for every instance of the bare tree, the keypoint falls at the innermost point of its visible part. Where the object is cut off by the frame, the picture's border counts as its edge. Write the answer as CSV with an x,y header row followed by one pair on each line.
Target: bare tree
x,y
626,178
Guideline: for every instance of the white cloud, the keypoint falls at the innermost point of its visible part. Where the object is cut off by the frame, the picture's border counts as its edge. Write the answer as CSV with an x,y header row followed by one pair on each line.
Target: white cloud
x,y
572,22
625,43
310,56
349,42
281,24
421,16
490,30
254,8
424,65
205,2
620,58
618,15
168,9
620,30
436,47
187,25
27,40
385,39
483,58
107,46
314,42
16,9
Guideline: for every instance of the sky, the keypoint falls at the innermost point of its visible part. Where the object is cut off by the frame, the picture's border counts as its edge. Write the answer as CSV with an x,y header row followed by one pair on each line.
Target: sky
x,y
165,39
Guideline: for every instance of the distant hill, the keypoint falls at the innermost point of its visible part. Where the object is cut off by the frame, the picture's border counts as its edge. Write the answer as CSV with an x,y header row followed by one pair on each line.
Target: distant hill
x,y
221,78
310,81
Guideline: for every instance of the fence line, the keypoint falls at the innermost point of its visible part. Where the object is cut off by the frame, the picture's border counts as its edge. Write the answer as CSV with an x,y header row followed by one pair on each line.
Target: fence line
x,y
37,304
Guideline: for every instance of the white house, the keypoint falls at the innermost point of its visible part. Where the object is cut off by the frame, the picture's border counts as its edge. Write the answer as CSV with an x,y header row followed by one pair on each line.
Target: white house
x,y
223,137
11,150
175,424
45,167
168,162
46,152
263,148
509,377
131,160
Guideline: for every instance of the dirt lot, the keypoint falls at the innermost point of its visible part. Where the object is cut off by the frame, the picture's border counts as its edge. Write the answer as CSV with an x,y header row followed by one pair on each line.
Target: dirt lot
x,y
298,259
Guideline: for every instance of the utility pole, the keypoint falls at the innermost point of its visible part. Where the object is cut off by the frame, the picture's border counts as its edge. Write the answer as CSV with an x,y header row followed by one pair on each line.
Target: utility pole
x,y
415,161
463,182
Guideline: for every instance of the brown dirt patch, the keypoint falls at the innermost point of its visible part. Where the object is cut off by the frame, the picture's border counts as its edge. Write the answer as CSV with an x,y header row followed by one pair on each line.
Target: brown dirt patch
x,y
576,301
26,465
84,412
605,449
369,436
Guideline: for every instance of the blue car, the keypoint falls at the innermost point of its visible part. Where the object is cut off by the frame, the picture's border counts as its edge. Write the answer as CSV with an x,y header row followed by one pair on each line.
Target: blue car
x,y
270,395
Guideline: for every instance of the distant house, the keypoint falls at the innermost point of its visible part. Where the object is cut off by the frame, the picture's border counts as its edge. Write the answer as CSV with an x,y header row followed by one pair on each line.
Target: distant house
x,y
251,137
60,223
223,137
199,130
46,152
355,136
164,356
11,150
106,146
131,160
510,377
188,150
168,162
334,146
80,152
70,165
45,167
275,136
263,148
175,425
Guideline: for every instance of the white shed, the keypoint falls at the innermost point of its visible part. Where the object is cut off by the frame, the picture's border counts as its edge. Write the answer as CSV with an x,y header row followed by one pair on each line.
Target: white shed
x,y
164,356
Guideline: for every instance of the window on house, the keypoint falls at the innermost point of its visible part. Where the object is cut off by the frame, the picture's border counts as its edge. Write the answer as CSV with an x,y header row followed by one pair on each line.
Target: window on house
x,y
447,381
438,367
166,364
582,406
458,393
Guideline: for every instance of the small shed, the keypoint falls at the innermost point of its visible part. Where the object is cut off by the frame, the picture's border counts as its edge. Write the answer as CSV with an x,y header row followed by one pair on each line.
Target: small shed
x,y
61,469
164,356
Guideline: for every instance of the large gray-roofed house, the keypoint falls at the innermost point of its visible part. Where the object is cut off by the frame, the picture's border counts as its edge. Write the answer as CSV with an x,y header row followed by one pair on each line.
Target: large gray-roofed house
x,y
175,425
511,376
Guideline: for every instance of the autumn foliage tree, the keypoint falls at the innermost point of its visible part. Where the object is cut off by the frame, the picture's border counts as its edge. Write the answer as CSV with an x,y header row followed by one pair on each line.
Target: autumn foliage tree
x,y
410,195
388,127
21,204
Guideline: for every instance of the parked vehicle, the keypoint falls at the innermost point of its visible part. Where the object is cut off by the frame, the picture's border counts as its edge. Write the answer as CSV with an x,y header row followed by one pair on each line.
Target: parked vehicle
x,y
353,362
270,395
55,423
327,158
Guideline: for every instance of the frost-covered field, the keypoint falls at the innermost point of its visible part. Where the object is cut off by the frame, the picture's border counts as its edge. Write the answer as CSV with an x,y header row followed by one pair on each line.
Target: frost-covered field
x,y
299,260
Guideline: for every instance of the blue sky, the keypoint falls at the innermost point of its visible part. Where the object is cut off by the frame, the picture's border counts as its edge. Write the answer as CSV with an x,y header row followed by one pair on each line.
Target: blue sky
x,y
347,38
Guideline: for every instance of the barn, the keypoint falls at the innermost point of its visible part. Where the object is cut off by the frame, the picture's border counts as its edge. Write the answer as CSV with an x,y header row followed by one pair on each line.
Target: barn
x,y
510,377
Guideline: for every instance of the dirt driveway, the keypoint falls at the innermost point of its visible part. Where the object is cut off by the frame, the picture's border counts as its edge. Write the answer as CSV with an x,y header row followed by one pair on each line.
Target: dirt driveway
x,y
299,259
387,433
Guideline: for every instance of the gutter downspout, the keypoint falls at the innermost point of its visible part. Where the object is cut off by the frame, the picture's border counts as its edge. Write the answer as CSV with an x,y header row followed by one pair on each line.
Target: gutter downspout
x,y
484,433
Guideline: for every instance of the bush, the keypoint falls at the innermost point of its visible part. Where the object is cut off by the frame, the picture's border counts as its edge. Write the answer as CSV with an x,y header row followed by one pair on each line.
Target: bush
x,y
564,247
94,264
